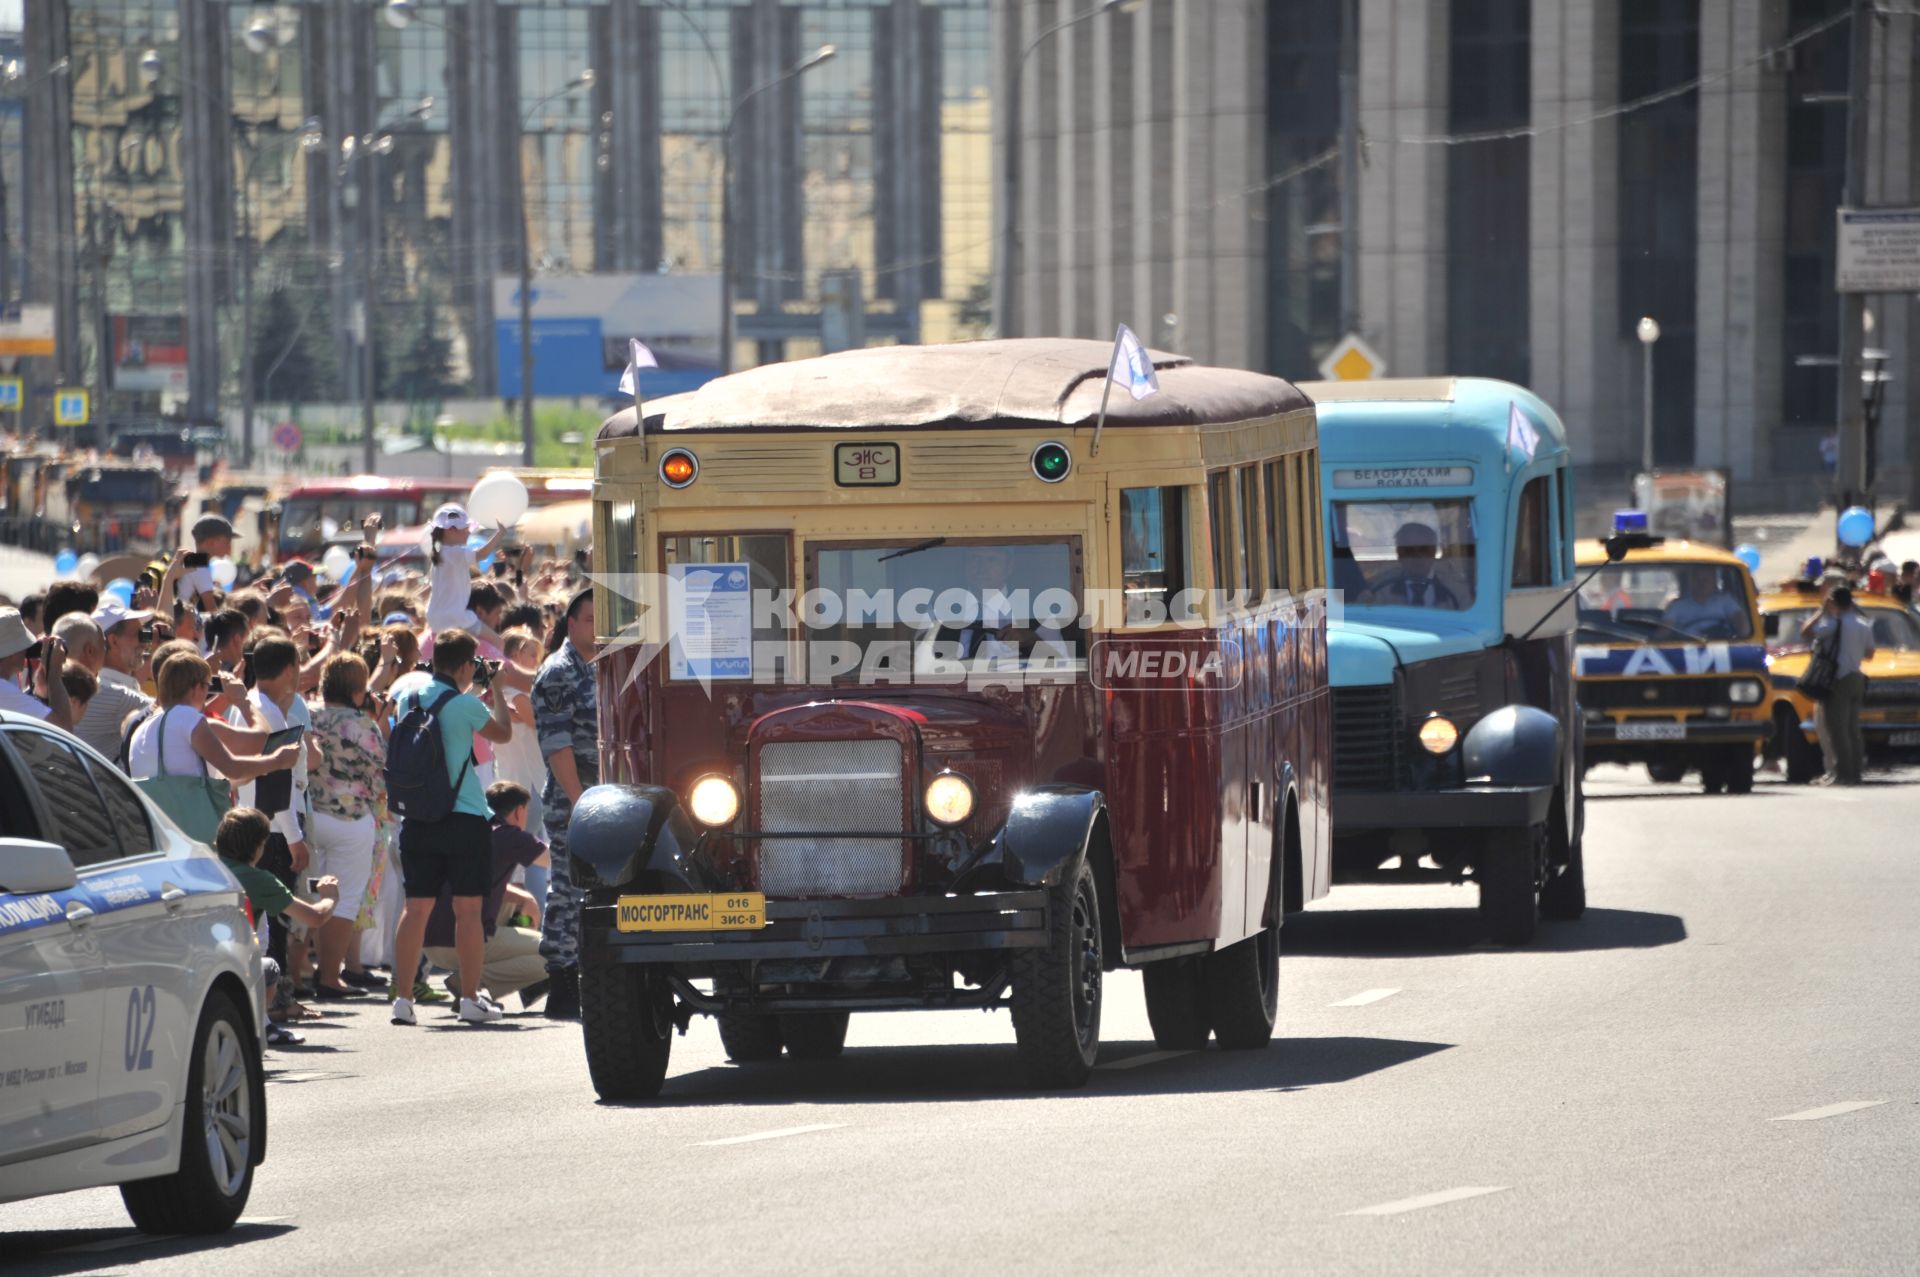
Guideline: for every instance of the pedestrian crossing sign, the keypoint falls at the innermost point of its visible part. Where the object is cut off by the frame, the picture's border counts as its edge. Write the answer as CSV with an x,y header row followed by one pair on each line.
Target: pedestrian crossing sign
x,y
10,394
71,407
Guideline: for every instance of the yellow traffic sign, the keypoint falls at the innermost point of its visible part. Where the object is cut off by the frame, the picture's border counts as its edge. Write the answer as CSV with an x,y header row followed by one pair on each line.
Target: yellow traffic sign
x,y
72,407
1351,359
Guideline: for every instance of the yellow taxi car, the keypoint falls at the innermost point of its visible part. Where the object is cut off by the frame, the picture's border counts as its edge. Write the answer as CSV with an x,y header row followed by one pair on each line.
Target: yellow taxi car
x,y
1669,665
1890,717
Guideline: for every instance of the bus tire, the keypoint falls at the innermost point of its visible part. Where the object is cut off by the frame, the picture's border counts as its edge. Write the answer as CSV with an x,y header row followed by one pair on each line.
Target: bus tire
x,y
1243,989
1057,990
750,1038
814,1035
1177,1003
224,1112
1666,772
627,1024
1509,884
1564,897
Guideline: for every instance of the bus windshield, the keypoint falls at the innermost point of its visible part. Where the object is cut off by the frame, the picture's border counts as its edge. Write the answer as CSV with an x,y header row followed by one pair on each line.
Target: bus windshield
x,y
1405,553
1667,603
994,600
123,485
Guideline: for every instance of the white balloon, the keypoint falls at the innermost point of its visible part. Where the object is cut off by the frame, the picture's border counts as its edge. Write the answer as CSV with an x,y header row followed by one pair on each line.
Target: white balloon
x,y
336,561
86,565
329,528
498,500
224,573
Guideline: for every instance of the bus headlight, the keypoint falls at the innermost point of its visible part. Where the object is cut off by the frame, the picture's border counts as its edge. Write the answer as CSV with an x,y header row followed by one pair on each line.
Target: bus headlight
x,y
1744,692
949,799
1438,735
714,801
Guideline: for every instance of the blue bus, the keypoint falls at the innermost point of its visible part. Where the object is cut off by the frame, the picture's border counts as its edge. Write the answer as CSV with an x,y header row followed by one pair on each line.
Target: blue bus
x,y
1449,518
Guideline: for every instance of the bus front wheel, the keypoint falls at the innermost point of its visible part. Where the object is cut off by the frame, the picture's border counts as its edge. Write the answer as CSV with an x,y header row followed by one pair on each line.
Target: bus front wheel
x,y
626,1018
1057,990
1509,874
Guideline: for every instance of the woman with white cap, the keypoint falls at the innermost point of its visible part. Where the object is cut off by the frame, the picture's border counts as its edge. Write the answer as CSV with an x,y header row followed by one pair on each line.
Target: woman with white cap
x,y
452,578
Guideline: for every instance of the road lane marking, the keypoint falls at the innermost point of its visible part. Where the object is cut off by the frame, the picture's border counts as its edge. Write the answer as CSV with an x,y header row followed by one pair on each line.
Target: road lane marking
x,y
1425,1200
1828,1110
1145,1057
782,1133
1362,999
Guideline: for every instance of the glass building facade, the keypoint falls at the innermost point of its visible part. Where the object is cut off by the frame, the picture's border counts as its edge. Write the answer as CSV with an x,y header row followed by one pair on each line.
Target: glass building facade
x,y
861,187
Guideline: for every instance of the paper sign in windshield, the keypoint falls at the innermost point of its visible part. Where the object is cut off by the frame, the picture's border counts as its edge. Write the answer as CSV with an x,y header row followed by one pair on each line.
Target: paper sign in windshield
x,y
711,614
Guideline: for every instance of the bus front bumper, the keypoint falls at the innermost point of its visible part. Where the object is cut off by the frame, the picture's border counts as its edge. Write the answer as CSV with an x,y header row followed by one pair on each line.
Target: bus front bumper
x,y
806,929
1473,807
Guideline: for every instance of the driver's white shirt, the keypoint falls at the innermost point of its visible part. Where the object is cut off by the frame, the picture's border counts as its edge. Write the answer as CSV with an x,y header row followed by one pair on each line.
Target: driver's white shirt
x,y
1691,614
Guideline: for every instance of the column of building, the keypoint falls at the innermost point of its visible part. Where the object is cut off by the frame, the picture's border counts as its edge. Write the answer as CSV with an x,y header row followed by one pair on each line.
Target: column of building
x,y
1403,184
49,257
1580,360
1741,281
1890,183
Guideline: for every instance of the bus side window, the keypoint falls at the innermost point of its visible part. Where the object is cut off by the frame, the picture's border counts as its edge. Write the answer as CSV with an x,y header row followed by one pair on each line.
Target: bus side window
x,y
618,547
1248,556
1220,524
1314,575
1533,536
1303,518
1279,575
1153,549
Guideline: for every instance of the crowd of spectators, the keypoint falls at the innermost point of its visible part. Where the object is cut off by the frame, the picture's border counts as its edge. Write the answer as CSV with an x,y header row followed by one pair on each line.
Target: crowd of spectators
x,y
281,697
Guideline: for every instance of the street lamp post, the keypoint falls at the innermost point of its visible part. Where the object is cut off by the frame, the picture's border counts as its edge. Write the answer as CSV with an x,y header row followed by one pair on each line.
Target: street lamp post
x,y
1006,320
1648,331
825,53
582,81
310,138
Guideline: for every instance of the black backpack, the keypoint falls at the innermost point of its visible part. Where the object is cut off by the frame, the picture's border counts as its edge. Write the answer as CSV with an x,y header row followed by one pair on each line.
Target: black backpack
x,y
416,770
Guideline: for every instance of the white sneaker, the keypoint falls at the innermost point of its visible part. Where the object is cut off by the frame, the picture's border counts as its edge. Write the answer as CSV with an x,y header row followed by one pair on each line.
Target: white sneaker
x,y
480,1011
403,1011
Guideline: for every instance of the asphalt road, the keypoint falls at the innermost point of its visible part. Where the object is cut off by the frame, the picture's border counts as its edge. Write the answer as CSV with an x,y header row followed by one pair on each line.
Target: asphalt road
x,y
1608,1100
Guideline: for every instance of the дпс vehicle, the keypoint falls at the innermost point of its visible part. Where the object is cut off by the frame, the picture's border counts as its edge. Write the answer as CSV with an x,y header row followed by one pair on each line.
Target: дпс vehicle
x,y
1009,754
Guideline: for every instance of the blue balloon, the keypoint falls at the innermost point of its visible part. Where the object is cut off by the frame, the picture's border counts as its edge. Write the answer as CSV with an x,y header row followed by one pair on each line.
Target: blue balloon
x,y
486,564
121,589
65,562
1854,526
1749,555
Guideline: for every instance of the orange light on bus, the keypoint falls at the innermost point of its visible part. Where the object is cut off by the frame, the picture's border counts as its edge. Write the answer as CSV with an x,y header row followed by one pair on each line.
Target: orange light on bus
x,y
679,468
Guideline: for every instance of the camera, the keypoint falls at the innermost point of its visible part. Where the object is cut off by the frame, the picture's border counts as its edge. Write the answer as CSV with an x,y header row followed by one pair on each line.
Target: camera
x,y
313,886
366,552
195,559
483,672
246,669
146,632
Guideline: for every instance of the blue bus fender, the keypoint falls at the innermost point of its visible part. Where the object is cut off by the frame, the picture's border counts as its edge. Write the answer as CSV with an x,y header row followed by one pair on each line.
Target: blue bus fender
x,y
1046,833
1516,746
634,835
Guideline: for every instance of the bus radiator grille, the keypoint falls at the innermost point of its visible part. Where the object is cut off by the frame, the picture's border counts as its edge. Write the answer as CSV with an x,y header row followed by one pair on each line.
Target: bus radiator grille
x,y
822,787
1366,738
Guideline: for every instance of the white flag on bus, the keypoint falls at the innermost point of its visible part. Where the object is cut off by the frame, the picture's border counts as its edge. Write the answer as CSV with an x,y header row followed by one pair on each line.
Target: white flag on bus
x,y
1132,366
638,356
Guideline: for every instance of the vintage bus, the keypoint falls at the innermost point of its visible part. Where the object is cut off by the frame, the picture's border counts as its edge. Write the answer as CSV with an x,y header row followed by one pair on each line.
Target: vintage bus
x,y
403,504
1006,739
1456,742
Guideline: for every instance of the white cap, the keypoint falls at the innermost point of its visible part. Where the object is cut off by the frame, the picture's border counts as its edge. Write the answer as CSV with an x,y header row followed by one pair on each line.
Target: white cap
x,y
111,612
452,517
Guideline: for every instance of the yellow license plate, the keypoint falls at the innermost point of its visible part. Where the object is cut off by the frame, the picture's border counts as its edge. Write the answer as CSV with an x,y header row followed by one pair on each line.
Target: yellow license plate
x,y
720,911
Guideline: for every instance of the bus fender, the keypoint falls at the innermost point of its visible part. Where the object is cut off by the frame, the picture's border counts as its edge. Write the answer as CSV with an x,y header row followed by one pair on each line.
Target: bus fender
x,y
627,835
1046,834
1516,746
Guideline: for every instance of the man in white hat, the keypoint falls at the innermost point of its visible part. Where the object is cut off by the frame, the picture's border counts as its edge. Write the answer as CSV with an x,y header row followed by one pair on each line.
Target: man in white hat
x,y
17,647
101,723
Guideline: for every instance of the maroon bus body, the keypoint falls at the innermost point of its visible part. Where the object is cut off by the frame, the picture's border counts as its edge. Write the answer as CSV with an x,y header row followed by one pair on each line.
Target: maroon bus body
x,y
1195,780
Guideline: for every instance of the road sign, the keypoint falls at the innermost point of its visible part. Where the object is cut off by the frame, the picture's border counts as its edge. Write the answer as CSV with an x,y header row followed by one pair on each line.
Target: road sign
x,y
11,392
72,407
286,437
1351,359
26,330
1878,251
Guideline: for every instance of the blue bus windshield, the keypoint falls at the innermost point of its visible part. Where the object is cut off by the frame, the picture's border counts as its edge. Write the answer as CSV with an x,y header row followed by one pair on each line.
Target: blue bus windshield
x,y
1405,553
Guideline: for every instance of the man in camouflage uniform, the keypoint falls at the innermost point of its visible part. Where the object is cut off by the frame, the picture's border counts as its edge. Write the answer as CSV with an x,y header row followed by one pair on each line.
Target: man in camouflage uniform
x,y
565,719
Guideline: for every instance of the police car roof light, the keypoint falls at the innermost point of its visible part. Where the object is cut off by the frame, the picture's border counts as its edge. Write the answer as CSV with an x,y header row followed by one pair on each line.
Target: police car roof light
x,y
1629,520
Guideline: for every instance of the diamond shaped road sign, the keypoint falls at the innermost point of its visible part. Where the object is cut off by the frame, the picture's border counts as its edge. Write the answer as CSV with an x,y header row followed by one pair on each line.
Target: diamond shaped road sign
x,y
1351,359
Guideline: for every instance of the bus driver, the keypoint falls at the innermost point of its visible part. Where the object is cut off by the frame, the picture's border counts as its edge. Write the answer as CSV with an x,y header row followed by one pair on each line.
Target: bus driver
x,y
1412,582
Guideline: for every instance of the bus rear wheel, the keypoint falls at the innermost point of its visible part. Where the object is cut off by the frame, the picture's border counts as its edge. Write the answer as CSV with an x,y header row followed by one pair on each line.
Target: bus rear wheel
x,y
1509,874
814,1035
1177,1003
749,1038
1057,990
1243,990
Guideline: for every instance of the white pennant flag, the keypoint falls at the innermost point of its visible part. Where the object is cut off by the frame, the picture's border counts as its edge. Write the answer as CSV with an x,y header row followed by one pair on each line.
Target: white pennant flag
x,y
1132,366
638,356
1521,433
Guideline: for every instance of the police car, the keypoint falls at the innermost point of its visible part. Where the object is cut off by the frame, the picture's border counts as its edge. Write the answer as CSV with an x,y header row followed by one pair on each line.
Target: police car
x,y
129,996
